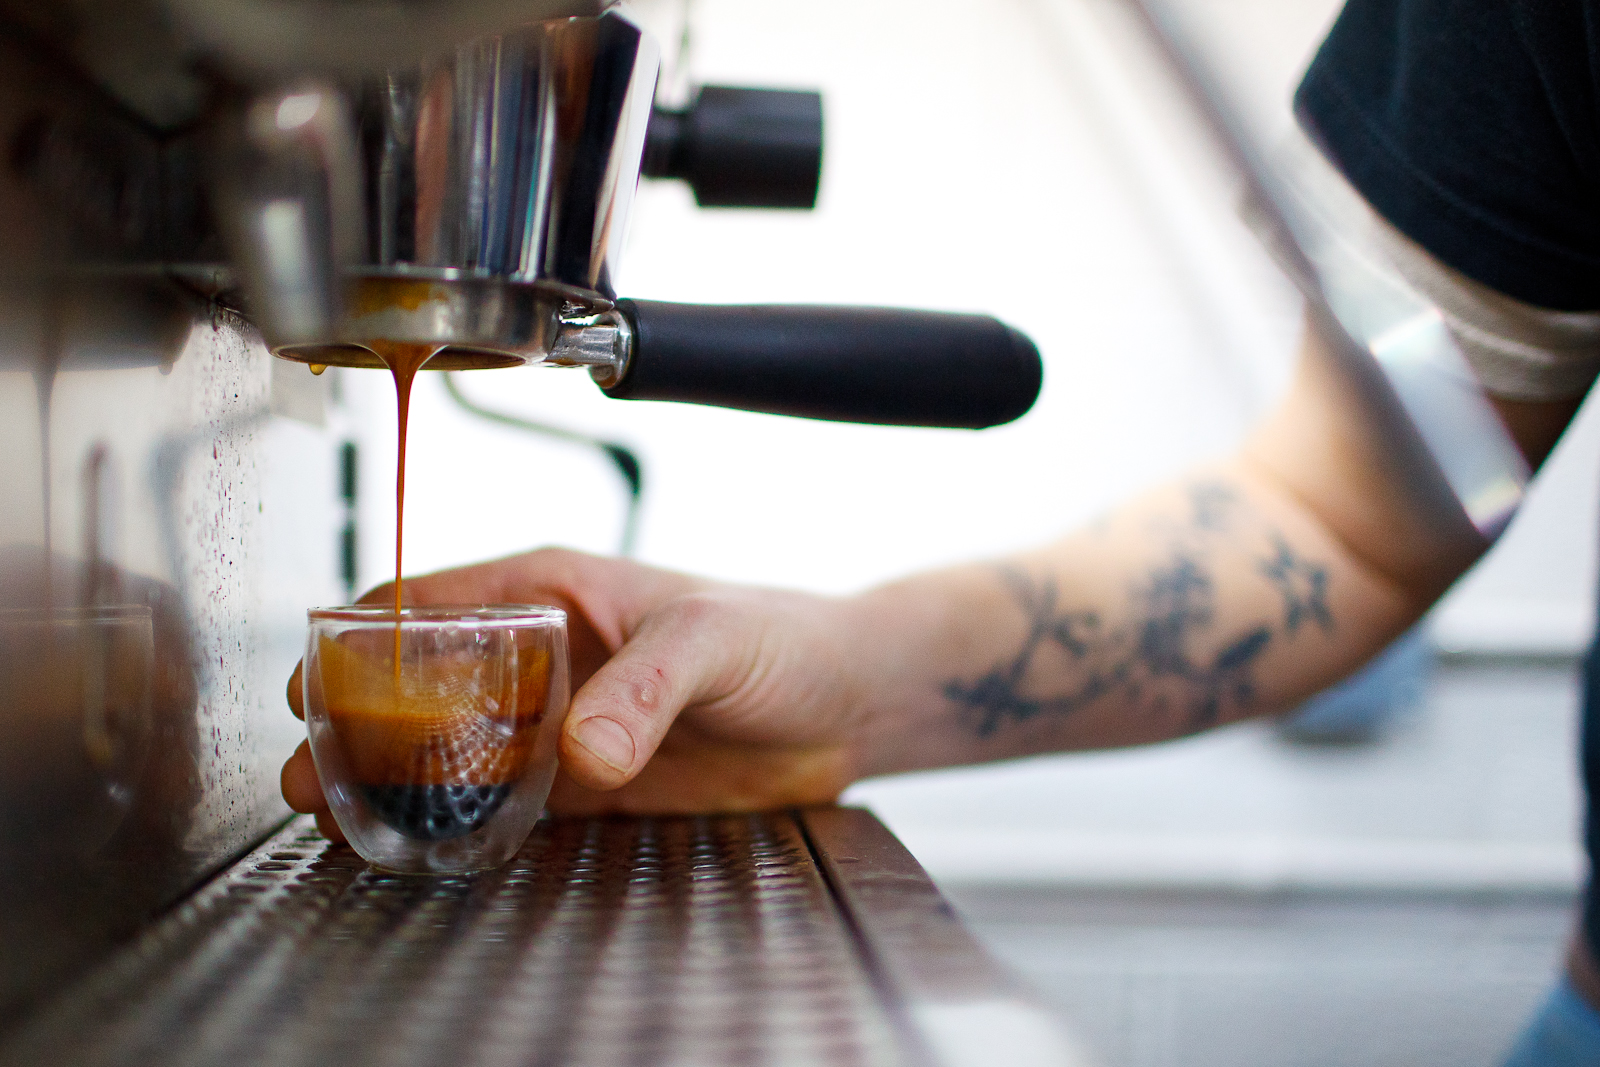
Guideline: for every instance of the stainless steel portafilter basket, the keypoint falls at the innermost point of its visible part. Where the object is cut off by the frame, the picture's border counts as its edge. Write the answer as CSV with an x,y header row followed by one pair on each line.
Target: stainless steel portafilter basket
x,y
471,201
479,202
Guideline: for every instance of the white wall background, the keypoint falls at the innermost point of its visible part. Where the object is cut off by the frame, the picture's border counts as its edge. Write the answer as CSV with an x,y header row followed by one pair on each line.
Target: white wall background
x,y
988,155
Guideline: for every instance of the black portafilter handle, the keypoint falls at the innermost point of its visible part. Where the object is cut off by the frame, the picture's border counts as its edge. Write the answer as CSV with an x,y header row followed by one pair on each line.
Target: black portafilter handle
x,y
842,364
741,147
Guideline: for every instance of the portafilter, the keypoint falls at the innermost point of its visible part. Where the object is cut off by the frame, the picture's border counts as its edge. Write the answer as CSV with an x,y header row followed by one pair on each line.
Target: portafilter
x,y
479,202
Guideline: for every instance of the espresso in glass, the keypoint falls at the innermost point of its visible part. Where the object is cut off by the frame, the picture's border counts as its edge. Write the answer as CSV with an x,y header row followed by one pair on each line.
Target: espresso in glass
x,y
438,760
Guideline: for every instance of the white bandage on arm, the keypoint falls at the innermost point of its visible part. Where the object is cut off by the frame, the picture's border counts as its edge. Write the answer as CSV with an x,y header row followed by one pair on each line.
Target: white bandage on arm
x,y
1517,351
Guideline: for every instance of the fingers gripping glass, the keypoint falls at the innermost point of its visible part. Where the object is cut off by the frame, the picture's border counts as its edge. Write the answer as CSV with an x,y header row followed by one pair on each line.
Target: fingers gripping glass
x,y
434,735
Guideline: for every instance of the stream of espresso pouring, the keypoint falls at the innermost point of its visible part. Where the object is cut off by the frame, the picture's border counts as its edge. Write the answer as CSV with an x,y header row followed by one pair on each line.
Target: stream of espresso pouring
x,y
403,360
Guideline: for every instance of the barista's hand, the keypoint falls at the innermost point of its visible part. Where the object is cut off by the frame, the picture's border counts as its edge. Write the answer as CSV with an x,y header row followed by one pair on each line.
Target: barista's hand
x,y
689,695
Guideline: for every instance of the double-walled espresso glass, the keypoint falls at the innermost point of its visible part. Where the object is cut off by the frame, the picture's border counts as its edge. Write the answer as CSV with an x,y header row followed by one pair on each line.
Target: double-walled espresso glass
x,y
435,733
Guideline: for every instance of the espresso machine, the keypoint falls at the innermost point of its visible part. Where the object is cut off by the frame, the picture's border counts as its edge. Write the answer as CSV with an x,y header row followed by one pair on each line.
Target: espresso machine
x,y
200,198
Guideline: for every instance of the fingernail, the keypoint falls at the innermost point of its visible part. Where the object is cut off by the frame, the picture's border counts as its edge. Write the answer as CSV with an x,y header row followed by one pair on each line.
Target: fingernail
x,y
607,740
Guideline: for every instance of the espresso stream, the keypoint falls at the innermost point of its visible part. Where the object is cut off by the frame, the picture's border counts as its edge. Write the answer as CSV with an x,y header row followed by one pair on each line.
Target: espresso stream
x,y
403,360
436,751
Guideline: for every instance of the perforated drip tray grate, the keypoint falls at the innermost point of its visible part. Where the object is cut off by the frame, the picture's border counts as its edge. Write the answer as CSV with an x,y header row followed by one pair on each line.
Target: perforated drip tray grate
x,y
717,940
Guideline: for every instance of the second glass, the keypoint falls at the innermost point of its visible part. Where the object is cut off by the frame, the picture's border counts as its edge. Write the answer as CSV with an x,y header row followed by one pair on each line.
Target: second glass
x,y
435,734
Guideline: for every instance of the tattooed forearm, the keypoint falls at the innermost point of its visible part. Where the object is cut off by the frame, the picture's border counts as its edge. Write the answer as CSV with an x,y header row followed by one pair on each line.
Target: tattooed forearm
x,y
1163,649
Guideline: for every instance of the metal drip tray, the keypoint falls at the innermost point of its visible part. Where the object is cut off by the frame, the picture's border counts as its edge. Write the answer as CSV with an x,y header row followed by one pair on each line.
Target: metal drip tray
x,y
786,938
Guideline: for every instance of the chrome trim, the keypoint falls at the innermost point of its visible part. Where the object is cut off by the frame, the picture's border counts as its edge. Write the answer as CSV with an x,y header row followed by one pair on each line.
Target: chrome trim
x,y
603,343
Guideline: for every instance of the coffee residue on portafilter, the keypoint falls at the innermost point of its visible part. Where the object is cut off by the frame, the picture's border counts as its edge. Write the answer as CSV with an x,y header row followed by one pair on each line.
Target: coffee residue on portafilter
x,y
403,359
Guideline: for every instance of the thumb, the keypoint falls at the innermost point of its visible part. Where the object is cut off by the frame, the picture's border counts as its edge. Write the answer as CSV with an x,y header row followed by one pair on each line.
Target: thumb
x,y
691,651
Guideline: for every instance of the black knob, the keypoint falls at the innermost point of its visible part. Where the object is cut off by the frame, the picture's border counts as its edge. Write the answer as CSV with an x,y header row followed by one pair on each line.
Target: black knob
x,y
741,147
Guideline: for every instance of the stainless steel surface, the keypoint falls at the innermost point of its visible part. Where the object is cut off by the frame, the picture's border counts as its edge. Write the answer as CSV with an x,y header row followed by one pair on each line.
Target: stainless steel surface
x,y
494,186
711,940
153,55
155,489
286,179
161,530
266,38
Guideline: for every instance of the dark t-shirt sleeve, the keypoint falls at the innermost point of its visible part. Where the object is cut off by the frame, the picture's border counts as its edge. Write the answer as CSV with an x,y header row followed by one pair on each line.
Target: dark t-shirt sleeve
x,y
1471,126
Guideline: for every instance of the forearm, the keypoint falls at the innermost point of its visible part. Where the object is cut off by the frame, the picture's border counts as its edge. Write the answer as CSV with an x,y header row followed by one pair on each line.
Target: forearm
x,y
1208,600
